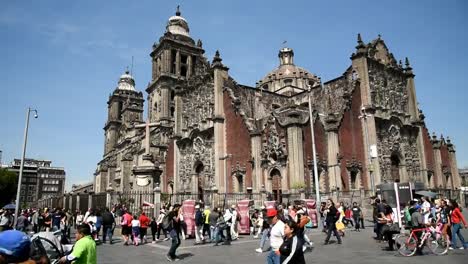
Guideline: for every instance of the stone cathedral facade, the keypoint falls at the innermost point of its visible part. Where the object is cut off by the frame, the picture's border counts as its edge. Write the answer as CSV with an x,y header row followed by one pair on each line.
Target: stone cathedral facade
x,y
206,132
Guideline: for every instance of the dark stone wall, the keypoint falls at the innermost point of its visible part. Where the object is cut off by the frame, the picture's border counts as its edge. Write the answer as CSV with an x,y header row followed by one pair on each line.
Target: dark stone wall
x,y
351,140
237,142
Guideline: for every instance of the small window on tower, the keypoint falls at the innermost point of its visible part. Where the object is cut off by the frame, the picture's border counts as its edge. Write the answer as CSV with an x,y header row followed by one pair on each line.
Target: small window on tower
x,y
119,111
172,95
183,70
172,111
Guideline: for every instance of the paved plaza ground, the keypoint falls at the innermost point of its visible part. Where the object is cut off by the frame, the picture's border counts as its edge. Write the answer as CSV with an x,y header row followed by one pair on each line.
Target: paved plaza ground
x,y
357,247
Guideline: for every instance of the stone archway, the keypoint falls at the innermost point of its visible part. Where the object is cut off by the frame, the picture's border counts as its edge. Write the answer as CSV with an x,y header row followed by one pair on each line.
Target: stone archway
x,y
275,177
200,179
395,164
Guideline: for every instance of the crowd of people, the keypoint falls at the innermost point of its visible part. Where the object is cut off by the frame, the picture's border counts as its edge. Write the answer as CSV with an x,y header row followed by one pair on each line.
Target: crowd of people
x,y
418,214
283,229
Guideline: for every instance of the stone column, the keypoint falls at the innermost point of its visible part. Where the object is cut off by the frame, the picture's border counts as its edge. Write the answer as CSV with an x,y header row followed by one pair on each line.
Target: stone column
x,y
90,199
157,200
295,156
256,142
412,101
456,181
194,177
422,159
189,66
439,178
176,187
334,171
178,62
178,114
77,197
164,104
220,75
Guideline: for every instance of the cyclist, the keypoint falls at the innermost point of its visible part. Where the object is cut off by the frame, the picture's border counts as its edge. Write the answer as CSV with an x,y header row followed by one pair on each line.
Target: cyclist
x,y
417,222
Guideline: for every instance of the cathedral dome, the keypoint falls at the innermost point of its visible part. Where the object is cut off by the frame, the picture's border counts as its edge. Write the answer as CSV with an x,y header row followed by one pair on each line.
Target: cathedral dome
x,y
126,82
177,25
288,78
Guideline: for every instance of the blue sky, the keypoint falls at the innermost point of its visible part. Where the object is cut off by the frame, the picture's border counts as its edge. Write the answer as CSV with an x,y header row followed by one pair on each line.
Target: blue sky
x,y
64,58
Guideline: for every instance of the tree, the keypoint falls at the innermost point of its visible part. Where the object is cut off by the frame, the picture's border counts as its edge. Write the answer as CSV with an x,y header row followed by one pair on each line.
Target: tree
x,y
8,185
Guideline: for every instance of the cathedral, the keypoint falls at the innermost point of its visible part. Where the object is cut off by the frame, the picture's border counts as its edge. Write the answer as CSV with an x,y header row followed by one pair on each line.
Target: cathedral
x,y
207,133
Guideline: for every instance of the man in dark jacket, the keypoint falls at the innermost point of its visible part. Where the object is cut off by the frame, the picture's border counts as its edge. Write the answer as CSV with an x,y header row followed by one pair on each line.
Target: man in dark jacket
x,y
108,224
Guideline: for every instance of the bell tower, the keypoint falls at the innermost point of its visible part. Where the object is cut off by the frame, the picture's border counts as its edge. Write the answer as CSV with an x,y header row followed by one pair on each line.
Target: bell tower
x,y
174,61
125,107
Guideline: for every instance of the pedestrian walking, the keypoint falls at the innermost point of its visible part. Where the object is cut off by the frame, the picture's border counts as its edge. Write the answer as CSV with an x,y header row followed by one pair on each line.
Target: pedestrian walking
x,y
276,236
126,225
457,219
356,213
199,223
144,224
331,219
174,231
108,225
291,250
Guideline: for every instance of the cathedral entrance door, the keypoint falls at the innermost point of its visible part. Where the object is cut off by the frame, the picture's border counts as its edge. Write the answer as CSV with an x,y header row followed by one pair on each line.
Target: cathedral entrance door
x,y
200,180
276,185
395,168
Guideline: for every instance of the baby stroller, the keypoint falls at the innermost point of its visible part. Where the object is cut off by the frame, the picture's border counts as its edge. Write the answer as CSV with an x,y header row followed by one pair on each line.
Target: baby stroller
x,y
49,244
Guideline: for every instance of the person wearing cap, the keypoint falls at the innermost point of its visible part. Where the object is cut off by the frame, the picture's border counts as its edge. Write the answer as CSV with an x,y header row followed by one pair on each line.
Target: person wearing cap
x,y
84,250
15,247
276,236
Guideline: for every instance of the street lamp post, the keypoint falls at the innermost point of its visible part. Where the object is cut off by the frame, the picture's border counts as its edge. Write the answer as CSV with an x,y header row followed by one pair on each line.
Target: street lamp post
x,y
314,154
364,116
25,140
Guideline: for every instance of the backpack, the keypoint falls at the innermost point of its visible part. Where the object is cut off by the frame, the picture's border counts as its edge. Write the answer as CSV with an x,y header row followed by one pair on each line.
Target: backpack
x,y
199,218
166,223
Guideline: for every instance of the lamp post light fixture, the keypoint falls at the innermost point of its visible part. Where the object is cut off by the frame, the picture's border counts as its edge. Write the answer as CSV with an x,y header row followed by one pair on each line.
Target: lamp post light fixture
x,y
364,116
314,153
25,140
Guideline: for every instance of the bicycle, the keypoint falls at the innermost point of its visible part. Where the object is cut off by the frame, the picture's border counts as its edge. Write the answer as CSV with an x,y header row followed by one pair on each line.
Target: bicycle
x,y
431,237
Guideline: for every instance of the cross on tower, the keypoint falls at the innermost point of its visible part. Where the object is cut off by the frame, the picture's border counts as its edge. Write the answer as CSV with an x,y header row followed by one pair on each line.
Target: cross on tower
x,y
147,126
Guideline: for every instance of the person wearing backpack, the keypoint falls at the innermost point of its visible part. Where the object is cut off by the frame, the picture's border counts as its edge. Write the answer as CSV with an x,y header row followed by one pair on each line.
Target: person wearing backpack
x,y
199,223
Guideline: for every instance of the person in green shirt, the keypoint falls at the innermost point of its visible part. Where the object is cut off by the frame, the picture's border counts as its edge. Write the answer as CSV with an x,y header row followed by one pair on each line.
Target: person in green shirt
x,y
84,250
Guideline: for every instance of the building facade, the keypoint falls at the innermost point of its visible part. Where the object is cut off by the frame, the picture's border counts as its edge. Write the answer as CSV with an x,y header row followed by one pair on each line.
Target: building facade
x,y
40,180
207,133
82,188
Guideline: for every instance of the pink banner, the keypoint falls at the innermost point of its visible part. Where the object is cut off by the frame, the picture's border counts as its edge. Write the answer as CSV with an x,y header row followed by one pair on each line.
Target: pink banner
x,y
188,207
243,209
269,204
312,208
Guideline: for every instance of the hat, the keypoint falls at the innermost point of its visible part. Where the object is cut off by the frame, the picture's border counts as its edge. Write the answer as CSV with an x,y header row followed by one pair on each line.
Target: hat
x,y
15,243
233,206
197,206
271,212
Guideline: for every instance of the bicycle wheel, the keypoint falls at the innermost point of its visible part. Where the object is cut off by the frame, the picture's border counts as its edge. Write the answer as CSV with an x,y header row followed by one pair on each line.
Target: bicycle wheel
x,y
439,245
407,245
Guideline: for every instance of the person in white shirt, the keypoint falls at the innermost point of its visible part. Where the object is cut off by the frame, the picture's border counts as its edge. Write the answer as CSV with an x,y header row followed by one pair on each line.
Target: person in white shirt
x,y
136,230
426,210
234,232
276,236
